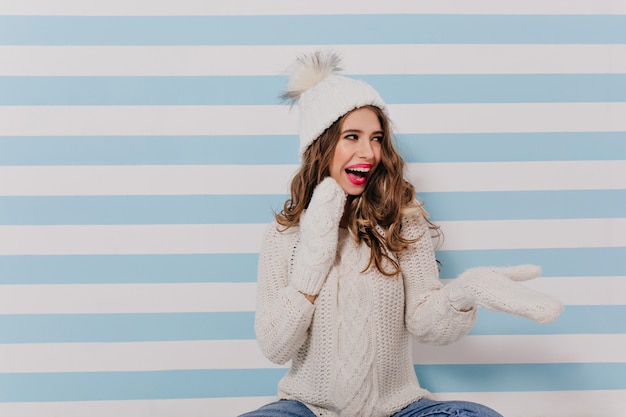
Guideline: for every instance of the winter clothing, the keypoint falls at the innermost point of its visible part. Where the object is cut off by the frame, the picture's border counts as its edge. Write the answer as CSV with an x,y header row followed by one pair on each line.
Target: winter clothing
x,y
350,349
323,96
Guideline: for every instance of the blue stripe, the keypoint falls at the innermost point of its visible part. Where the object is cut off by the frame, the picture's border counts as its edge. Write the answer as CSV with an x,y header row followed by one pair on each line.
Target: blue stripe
x,y
264,90
110,210
127,269
522,377
572,262
139,327
499,88
188,90
246,209
149,150
221,383
93,386
143,327
512,147
283,149
508,205
311,30
143,269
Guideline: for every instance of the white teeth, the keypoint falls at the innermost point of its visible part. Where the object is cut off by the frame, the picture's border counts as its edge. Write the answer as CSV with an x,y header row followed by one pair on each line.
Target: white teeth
x,y
359,169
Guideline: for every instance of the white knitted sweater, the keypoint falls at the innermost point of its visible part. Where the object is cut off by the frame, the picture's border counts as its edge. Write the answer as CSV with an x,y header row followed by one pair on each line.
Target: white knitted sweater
x,y
349,350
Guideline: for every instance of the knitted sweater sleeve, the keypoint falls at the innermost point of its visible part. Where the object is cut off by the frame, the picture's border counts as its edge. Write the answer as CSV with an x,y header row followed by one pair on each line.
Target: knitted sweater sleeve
x,y
283,314
429,315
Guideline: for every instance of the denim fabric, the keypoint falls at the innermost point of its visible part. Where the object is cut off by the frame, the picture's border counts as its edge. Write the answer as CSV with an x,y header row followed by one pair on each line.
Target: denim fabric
x,y
430,408
283,408
421,408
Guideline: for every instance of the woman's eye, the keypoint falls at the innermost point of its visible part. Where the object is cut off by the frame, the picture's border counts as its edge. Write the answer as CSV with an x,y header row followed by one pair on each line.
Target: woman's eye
x,y
352,137
377,138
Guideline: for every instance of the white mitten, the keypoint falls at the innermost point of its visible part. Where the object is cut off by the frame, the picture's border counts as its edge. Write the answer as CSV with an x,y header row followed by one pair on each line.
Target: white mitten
x,y
319,232
497,289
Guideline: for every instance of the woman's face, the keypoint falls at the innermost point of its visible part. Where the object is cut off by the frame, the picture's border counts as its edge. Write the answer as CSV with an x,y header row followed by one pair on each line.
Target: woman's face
x,y
358,150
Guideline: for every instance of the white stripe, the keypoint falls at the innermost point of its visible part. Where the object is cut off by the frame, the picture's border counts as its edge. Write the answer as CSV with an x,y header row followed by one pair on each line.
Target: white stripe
x,y
521,234
274,179
127,298
146,180
287,7
510,404
134,239
509,117
518,176
274,60
127,357
583,290
245,354
246,238
525,349
228,297
145,120
278,120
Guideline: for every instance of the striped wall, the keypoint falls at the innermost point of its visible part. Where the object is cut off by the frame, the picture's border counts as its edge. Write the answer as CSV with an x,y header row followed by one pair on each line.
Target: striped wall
x,y
143,147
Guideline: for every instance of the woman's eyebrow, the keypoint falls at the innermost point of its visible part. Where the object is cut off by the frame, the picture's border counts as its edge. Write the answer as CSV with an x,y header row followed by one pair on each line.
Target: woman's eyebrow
x,y
378,132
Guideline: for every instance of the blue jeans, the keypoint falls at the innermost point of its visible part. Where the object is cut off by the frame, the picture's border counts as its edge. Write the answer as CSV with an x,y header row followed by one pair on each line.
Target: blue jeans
x,y
421,408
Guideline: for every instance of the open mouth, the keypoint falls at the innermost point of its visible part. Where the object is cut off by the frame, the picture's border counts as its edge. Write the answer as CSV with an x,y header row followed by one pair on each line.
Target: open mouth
x,y
357,175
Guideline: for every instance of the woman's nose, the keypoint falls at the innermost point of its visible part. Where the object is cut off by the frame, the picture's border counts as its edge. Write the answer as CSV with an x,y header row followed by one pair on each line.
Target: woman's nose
x,y
364,149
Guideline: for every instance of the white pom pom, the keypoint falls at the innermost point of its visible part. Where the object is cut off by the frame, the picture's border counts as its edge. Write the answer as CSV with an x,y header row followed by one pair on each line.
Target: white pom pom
x,y
308,71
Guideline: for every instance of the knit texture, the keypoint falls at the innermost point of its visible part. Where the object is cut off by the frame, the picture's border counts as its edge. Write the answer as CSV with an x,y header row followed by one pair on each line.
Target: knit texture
x,y
498,289
350,351
332,98
323,95
319,227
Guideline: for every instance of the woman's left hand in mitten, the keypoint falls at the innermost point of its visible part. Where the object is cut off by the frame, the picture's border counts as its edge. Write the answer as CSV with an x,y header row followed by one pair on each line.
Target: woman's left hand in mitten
x,y
498,289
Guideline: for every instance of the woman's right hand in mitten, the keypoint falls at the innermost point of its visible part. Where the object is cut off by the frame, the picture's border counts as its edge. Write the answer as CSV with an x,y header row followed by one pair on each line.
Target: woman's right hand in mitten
x,y
319,232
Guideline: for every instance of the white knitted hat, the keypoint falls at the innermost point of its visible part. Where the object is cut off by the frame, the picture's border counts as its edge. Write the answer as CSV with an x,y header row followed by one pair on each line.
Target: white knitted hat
x,y
323,96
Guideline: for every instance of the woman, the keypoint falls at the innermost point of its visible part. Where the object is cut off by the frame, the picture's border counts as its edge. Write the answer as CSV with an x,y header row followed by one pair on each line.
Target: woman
x,y
347,270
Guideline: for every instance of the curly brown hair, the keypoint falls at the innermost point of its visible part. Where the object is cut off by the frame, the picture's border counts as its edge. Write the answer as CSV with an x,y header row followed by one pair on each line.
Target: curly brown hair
x,y
374,217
